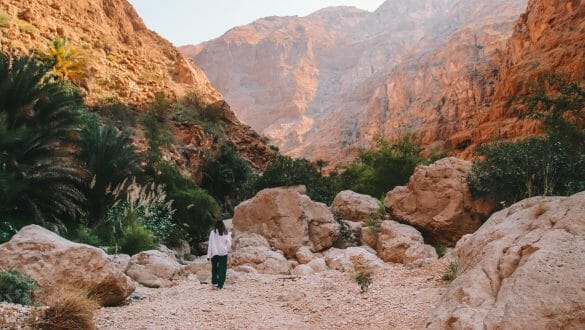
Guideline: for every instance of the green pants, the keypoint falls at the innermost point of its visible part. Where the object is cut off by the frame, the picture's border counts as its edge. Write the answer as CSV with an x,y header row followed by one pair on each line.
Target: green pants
x,y
218,270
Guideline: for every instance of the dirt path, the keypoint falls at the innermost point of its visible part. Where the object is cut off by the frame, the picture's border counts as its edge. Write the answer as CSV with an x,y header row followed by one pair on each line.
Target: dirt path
x,y
398,299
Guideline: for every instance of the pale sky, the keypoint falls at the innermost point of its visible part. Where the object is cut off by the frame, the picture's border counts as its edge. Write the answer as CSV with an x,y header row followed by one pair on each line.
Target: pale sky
x,y
192,21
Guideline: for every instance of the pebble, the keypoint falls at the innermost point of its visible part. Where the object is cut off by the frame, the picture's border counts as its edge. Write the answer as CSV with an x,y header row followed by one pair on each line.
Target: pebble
x,y
399,298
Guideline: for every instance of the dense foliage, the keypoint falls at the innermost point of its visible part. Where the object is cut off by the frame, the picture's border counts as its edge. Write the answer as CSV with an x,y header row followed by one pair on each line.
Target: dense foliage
x,y
17,288
224,175
549,165
40,178
286,171
377,171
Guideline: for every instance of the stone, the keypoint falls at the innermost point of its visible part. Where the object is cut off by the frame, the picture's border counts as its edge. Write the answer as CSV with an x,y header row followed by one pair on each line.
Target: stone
x,y
369,237
154,269
354,227
200,267
524,266
347,260
120,261
52,260
402,244
303,270
355,207
292,263
318,265
304,255
253,250
437,202
288,219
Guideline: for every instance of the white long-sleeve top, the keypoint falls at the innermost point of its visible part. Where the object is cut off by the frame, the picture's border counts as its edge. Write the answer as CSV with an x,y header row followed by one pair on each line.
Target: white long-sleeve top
x,y
219,245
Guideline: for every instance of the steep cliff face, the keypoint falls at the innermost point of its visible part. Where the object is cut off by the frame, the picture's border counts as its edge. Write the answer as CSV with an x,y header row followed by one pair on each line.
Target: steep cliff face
x,y
319,85
549,37
125,61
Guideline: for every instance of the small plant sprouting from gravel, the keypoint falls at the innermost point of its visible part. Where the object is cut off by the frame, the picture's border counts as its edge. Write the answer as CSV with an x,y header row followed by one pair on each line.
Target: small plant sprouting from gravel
x,y
441,249
363,277
450,272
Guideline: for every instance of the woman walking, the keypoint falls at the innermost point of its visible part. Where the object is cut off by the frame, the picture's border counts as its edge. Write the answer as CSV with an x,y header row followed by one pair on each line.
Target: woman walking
x,y
217,250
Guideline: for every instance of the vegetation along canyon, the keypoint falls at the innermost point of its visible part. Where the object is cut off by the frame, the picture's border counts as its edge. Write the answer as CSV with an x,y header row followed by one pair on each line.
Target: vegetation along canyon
x,y
333,164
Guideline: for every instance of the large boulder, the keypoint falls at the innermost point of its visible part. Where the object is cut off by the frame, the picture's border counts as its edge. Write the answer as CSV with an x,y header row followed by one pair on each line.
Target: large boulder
x,y
54,261
154,269
355,207
523,268
254,250
437,201
347,260
288,219
403,244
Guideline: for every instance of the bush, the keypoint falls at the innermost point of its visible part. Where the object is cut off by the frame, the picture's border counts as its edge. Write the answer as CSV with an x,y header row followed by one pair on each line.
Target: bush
x,y
224,174
363,277
17,288
7,230
286,171
377,171
68,308
194,208
450,272
136,238
441,249
511,171
551,165
85,235
5,20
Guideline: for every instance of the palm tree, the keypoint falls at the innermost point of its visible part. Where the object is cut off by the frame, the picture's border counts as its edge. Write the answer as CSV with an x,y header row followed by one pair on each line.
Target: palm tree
x,y
321,163
39,177
110,159
67,61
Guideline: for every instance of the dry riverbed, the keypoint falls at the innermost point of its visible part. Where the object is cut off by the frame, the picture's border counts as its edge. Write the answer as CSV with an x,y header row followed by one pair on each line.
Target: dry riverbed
x,y
399,298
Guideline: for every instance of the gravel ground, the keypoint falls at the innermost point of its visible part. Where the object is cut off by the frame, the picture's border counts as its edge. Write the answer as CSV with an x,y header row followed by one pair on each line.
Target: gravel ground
x,y
399,298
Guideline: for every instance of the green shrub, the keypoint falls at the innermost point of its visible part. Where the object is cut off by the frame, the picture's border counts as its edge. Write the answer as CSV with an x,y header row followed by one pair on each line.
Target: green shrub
x,y
450,272
26,27
286,171
194,208
224,174
551,165
135,238
363,277
377,171
511,171
441,249
140,217
5,20
17,288
85,235
7,230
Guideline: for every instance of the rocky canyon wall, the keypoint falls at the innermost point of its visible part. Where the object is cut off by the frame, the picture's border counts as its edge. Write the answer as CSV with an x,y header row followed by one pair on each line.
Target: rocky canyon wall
x,y
319,85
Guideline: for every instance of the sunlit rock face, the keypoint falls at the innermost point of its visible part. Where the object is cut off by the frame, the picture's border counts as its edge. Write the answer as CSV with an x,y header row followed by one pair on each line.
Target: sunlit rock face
x,y
336,79
127,63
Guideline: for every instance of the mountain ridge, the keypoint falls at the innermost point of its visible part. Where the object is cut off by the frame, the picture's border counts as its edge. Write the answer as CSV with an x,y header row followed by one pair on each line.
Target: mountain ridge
x,y
325,93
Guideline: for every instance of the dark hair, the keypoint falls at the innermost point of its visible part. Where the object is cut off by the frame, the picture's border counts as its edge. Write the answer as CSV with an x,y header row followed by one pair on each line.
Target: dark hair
x,y
220,227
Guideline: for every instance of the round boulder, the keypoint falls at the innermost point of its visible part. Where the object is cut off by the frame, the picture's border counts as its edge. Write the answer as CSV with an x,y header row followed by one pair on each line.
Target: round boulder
x,y
50,259
153,269
288,219
437,202
355,207
403,244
